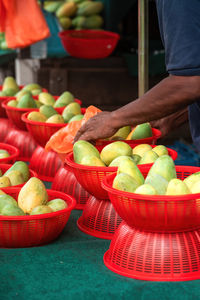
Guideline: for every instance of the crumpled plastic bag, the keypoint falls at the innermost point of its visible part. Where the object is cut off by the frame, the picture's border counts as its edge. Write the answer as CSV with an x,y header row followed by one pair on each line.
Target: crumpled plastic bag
x,y
62,141
23,22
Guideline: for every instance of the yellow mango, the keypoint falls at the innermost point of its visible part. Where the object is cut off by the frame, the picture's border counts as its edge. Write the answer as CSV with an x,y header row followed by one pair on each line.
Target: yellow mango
x,y
83,148
177,187
141,149
125,182
130,168
113,150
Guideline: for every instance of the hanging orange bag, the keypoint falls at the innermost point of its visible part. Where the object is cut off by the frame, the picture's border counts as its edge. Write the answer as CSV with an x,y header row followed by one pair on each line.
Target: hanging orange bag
x,y
62,141
23,22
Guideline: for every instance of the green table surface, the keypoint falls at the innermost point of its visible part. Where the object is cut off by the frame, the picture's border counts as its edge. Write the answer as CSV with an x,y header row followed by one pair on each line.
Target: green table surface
x,y
72,268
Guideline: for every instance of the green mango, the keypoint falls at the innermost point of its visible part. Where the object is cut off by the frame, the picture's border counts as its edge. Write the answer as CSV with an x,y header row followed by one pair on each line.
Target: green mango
x,y
57,119
67,116
136,158
82,148
141,131
21,93
15,177
9,83
5,200
76,118
160,150
192,179
46,98
148,158
146,189
57,204
32,86
73,108
158,182
164,166
4,153
52,6
41,209
177,187
26,101
36,92
93,22
130,168
38,103
3,94
64,99
65,22
78,21
121,134
113,150
141,149
10,92
2,193
36,116
4,181
12,210
47,110
90,160
116,162
125,182
22,167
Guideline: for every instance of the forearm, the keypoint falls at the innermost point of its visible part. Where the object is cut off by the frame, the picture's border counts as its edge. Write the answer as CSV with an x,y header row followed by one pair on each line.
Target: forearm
x,y
171,95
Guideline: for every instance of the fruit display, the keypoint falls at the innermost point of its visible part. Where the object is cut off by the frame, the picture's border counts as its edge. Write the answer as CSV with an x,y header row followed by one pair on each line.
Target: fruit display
x,y
32,200
77,14
116,154
4,153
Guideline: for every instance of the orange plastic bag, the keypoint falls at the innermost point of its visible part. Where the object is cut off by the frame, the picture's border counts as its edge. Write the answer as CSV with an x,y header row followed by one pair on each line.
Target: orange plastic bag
x,y
23,22
62,141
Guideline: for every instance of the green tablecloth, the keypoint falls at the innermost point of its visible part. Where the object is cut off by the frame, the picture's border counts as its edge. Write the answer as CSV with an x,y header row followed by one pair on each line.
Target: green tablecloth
x,y
72,268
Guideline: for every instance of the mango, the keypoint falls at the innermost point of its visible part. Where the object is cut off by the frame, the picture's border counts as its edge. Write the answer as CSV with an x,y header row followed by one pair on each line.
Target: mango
x,y
26,101
177,187
113,150
32,194
55,119
116,162
195,188
82,148
41,209
4,181
67,116
130,168
9,92
125,182
2,94
76,118
64,99
4,153
65,22
93,22
15,177
136,158
121,134
146,189
148,158
5,200
52,6
22,167
12,103
21,93
89,160
32,86
141,149
78,22
9,83
36,92
73,108
2,193
57,204
36,116
140,132
88,8
164,166
68,9
46,98
158,182
192,179
12,210
160,150
47,110
38,103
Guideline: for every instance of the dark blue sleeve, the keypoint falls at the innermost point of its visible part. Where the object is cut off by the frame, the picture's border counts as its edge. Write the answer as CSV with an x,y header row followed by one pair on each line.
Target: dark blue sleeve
x,y
179,22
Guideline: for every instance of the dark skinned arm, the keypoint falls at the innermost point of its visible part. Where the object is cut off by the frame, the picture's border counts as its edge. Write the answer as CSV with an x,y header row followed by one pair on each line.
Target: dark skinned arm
x,y
171,95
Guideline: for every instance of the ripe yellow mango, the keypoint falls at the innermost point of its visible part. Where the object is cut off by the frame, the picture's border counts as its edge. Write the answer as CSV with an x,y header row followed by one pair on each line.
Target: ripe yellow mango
x,y
192,179
164,166
125,182
177,187
83,148
41,209
116,162
121,134
89,160
146,189
141,149
46,98
55,119
113,150
148,158
36,116
57,204
158,182
130,168
160,150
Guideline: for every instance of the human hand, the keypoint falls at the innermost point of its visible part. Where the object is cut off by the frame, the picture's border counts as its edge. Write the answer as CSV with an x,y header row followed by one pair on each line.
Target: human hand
x,y
98,127
164,125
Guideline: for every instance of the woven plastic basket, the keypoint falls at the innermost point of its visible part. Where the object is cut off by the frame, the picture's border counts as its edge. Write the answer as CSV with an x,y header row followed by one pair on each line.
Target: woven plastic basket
x,y
13,152
5,125
35,230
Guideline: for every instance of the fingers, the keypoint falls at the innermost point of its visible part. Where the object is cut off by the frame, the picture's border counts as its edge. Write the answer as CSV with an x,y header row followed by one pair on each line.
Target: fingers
x,y
79,133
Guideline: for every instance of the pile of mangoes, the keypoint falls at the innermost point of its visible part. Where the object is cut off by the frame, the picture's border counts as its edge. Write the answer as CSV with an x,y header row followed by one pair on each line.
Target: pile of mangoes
x,y
4,153
18,173
115,153
32,200
77,14
140,131
48,114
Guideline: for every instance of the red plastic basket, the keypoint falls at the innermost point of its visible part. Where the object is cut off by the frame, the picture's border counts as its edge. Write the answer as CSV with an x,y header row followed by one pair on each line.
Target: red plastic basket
x,y
5,126
5,167
160,236
29,231
90,44
65,181
13,151
150,140
23,141
45,163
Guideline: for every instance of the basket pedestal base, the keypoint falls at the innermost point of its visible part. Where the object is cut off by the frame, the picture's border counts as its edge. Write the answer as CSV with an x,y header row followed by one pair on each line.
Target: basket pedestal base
x,y
99,218
154,256
66,182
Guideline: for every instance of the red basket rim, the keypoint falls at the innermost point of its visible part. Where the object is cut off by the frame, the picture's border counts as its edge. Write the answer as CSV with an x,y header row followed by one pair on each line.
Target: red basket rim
x,y
71,206
69,34
69,160
7,107
108,180
8,147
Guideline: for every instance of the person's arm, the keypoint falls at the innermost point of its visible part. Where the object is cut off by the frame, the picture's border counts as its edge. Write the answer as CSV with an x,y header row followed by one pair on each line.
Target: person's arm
x,y
169,96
